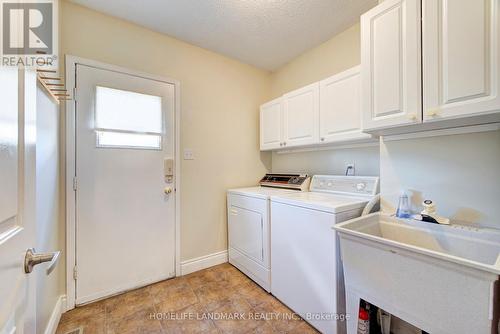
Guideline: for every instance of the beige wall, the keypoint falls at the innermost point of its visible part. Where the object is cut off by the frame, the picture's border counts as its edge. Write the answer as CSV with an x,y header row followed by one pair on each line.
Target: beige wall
x,y
219,101
334,56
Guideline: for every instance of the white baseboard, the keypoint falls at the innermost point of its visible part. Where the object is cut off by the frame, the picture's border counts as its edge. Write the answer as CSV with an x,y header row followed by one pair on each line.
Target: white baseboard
x,y
58,310
203,262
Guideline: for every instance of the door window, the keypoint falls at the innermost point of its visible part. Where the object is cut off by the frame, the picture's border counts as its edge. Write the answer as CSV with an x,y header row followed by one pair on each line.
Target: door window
x,y
125,119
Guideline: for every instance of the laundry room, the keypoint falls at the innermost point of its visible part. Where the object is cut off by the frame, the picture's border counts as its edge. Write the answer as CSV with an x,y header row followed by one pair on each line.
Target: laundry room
x,y
250,166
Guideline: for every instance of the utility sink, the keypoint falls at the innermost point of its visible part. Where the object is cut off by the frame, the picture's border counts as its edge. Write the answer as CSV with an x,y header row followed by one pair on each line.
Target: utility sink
x,y
440,278
469,246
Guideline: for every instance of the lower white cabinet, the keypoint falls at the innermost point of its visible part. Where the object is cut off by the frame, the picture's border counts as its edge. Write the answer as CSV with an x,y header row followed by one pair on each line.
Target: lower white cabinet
x,y
340,108
301,116
271,125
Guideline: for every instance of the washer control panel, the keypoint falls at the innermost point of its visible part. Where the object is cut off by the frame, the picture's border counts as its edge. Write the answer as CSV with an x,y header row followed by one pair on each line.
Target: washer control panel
x,y
287,181
349,185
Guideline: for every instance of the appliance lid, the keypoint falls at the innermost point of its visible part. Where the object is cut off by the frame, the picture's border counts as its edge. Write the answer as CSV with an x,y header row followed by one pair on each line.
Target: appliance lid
x,y
332,203
334,193
261,192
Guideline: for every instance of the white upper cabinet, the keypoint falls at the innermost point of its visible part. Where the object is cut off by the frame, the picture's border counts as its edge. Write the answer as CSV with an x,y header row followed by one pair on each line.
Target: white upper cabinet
x,y
271,125
301,116
340,107
390,64
461,58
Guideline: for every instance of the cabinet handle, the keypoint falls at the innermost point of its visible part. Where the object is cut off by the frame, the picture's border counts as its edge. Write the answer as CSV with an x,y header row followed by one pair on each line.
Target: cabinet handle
x,y
281,144
322,138
412,117
432,112
284,143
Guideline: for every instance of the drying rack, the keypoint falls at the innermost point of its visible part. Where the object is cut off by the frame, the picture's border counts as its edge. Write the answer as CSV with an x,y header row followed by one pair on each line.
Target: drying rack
x,y
53,85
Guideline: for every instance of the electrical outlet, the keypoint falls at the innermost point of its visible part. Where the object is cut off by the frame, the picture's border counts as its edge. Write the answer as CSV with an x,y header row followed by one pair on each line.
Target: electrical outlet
x,y
188,154
350,169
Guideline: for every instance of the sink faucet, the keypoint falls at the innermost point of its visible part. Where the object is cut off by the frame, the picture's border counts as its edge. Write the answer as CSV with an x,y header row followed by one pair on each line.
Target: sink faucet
x,y
429,214
425,218
430,210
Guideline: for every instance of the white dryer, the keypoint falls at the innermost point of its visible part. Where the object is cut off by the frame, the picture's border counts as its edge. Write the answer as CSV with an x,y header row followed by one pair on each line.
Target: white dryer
x,y
306,268
249,223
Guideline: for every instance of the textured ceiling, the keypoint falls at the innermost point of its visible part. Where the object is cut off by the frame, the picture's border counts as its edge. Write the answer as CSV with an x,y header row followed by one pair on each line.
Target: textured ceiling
x,y
263,33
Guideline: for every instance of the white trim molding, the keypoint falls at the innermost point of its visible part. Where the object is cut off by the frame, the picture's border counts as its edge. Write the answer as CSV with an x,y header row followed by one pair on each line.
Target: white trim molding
x,y
372,142
59,309
444,132
71,62
203,262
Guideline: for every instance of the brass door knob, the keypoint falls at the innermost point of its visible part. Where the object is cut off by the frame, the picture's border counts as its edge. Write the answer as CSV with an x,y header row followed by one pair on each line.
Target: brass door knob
x,y
32,258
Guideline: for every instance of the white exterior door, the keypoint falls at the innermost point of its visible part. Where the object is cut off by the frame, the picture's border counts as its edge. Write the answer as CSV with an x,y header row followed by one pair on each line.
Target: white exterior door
x,y
125,221
271,125
390,64
340,107
301,116
461,58
17,199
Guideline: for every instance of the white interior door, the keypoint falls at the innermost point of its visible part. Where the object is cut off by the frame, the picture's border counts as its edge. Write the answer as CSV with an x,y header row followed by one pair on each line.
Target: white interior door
x,y
17,199
125,221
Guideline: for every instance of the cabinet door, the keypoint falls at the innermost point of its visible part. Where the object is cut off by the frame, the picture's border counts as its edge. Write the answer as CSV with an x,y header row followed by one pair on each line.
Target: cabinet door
x,y
271,125
340,107
301,116
461,56
390,64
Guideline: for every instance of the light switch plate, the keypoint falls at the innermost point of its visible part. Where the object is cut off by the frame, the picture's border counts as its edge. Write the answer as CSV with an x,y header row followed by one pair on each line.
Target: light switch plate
x,y
188,154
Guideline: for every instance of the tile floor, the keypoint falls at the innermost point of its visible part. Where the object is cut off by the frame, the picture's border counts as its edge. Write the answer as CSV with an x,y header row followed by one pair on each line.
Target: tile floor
x,y
216,300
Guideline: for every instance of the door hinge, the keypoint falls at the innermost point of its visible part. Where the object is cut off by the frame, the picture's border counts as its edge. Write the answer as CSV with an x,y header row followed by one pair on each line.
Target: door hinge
x,y
74,93
75,273
75,183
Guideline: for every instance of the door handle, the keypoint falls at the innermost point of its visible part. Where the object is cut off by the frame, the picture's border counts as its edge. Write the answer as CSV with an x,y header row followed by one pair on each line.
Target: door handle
x,y
32,258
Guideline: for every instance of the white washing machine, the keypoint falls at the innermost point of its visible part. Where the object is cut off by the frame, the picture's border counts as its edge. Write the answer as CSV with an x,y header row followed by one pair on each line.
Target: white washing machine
x,y
249,223
305,263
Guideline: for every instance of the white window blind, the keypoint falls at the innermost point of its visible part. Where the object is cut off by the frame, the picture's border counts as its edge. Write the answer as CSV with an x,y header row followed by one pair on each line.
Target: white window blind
x,y
127,119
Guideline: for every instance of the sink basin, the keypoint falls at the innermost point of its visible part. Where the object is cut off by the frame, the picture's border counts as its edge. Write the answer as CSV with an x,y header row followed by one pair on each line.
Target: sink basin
x,y
468,246
440,278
